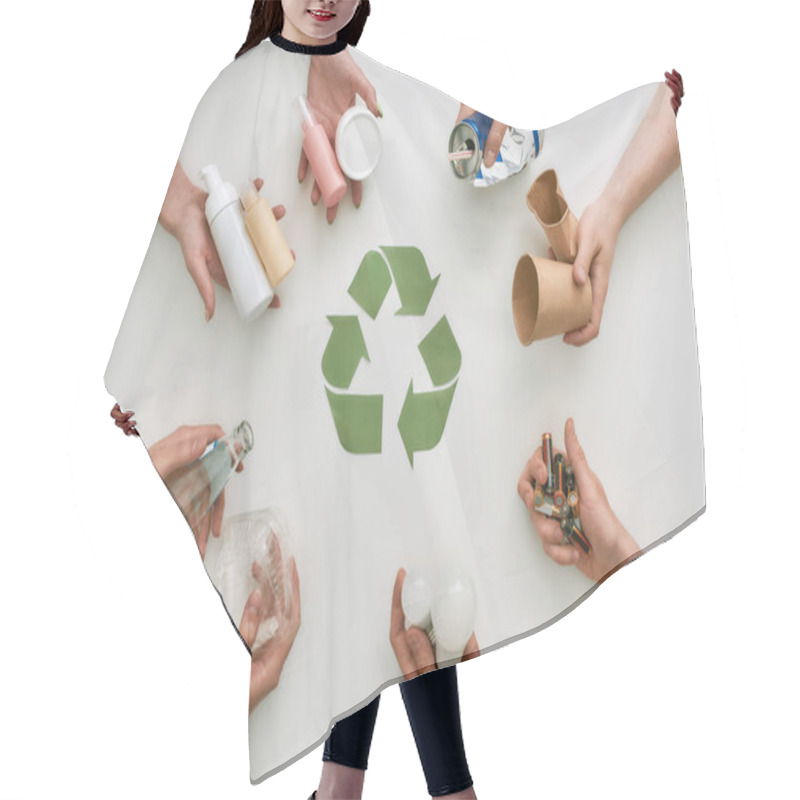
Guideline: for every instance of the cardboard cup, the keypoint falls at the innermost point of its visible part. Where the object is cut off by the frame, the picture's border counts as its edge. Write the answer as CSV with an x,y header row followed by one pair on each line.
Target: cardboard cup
x,y
546,301
546,201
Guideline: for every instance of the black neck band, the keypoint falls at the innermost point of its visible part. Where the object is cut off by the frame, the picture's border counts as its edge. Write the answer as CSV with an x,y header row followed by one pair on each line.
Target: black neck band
x,y
308,49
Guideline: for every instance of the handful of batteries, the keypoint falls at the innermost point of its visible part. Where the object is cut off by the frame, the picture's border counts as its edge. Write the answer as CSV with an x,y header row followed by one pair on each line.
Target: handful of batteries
x,y
558,498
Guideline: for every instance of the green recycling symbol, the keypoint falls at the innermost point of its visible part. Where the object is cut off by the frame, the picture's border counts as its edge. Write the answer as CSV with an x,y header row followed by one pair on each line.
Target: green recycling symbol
x,y
359,417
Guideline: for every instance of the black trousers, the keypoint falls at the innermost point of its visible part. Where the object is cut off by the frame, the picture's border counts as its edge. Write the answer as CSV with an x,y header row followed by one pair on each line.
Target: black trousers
x,y
431,702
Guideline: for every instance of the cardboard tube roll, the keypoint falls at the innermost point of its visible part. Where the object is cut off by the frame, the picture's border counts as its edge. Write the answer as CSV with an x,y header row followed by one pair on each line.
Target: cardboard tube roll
x,y
546,201
546,301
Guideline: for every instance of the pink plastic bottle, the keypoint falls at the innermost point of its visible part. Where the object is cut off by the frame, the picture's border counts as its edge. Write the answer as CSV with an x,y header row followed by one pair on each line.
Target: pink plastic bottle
x,y
320,156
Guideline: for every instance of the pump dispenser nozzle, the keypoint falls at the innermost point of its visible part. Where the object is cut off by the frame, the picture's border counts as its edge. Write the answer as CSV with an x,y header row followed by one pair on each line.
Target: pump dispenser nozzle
x,y
211,177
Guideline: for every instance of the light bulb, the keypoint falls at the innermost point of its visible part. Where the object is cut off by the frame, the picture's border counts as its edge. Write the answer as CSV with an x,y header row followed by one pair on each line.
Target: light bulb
x,y
453,612
416,599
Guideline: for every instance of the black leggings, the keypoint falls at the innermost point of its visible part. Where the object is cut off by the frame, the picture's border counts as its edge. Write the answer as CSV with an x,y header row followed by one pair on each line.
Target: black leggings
x,y
432,707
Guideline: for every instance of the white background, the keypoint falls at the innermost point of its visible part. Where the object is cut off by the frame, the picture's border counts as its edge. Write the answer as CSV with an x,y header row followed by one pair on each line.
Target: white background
x,y
120,674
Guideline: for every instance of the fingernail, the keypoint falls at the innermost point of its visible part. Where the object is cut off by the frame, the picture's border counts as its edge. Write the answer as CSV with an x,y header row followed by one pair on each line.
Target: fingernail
x,y
330,222
358,205
380,110
490,155
208,314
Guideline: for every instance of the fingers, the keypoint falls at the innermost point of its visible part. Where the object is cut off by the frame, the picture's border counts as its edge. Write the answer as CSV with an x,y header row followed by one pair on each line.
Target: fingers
x,y
534,470
330,213
279,211
493,142
182,447
198,269
576,456
248,627
471,650
201,535
276,302
397,625
217,510
302,168
397,630
675,83
592,328
583,263
295,579
316,194
421,650
258,183
358,193
464,112
370,96
564,554
124,420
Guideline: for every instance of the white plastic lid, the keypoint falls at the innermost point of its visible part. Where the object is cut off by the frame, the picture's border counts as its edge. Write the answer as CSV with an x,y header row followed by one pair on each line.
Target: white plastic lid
x,y
358,143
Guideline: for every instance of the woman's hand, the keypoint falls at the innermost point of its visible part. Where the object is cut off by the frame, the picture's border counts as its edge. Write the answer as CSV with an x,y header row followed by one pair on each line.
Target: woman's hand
x,y
412,647
124,420
268,660
183,215
598,230
675,83
333,83
180,449
493,141
611,544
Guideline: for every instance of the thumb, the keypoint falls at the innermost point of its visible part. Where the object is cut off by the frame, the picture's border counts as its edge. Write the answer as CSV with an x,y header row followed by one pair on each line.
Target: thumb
x,y
367,91
576,456
249,625
583,262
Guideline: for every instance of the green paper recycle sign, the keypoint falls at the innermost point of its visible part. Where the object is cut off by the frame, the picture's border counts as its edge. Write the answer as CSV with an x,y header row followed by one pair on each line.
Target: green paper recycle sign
x,y
359,417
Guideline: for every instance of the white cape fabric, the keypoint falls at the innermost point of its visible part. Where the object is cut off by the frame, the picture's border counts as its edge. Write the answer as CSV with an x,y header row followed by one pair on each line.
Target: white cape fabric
x,y
352,520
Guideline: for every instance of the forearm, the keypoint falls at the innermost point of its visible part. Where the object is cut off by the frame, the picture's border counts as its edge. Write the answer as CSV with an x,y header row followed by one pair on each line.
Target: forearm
x,y
650,158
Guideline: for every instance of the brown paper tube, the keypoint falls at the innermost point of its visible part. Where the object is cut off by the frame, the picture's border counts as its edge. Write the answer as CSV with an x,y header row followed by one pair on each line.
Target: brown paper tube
x,y
548,205
546,301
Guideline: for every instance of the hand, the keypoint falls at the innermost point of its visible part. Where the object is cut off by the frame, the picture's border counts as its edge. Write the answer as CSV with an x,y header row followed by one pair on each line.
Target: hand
x,y
598,230
611,544
412,647
180,449
493,141
675,82
268,660
333,83
124,420
183,215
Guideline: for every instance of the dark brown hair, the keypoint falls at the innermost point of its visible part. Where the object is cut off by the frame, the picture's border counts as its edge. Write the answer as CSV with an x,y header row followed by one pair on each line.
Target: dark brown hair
x,y
266,19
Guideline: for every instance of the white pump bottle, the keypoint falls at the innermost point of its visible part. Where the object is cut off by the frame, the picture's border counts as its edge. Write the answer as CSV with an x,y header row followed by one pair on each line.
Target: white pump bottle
x,y
249,285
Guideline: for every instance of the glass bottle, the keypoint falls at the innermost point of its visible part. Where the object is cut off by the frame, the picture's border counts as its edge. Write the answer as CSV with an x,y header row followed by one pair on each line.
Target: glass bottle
x,y
196,487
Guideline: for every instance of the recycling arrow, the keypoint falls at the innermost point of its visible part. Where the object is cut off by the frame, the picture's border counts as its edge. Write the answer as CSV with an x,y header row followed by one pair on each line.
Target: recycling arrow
x,y
441,353
358,419
412,278
346,347
423,418
371,283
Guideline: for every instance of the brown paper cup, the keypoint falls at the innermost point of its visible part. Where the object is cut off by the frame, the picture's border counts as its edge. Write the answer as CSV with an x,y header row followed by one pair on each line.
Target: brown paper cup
x,y
546,301
548,205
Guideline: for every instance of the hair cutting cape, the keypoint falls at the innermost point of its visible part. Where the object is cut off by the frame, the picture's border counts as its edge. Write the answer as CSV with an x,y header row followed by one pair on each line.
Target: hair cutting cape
x,y
392,404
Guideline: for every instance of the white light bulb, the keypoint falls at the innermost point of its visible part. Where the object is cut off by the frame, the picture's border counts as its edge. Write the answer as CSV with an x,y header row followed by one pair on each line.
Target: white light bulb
x,y
453,613
416,599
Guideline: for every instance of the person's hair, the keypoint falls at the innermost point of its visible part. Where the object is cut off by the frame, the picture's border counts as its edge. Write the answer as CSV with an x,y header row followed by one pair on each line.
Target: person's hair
x,y
266,19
